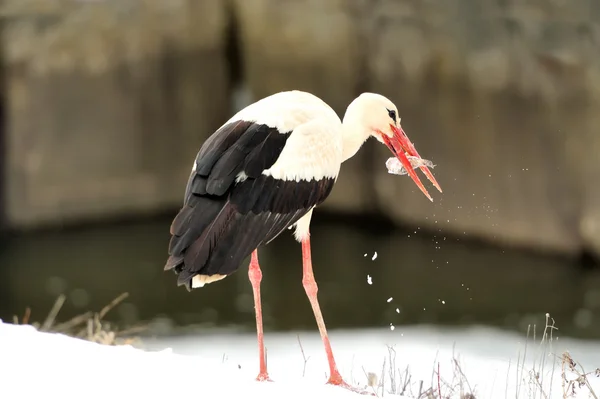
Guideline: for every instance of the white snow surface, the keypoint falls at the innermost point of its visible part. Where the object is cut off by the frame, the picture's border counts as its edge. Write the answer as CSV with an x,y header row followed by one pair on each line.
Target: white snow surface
x,y
223,365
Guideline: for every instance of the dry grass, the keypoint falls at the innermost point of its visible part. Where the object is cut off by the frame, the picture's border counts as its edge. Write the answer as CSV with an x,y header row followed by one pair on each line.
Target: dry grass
x,y
397,381
537,381
537,368
90,326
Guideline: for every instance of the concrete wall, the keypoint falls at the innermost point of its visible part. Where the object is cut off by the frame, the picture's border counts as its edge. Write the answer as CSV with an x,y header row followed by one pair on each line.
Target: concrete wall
x,y
502,96
3,134
108,103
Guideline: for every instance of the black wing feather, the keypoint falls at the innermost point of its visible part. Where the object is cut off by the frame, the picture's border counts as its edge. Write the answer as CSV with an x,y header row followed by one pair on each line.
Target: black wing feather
x,y
221,221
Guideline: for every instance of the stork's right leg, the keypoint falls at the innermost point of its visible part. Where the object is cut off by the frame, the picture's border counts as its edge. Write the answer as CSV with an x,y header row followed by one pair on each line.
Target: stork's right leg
x,y
310,286
255,275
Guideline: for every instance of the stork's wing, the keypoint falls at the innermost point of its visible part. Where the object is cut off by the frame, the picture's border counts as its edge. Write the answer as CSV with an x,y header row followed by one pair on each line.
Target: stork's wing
x,y
230,207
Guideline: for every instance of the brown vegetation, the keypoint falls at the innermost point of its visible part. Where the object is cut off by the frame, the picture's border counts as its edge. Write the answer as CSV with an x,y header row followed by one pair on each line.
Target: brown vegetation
x,y
90,325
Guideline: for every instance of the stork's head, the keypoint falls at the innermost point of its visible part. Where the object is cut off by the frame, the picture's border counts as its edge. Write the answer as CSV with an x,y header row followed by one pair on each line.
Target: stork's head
x,y
374,115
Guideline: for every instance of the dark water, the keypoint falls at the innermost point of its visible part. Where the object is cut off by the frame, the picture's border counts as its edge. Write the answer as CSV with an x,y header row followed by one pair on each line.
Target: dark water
x,y
439,280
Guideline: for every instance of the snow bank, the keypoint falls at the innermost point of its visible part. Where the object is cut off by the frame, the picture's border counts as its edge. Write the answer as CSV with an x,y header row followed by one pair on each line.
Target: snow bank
x,y
34,364
44,365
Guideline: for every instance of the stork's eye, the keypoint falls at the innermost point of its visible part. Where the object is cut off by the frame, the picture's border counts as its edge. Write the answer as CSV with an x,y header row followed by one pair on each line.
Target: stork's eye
x,y
392,114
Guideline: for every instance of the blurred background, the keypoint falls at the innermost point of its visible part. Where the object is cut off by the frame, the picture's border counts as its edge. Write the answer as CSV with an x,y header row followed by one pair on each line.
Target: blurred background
x,y
105,103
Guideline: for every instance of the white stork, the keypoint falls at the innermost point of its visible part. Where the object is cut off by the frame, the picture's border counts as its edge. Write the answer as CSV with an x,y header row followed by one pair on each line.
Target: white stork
x,y
265,170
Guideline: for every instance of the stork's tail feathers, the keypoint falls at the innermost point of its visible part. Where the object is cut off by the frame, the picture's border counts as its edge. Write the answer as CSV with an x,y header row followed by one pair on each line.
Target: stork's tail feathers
x,y
173,262
176,263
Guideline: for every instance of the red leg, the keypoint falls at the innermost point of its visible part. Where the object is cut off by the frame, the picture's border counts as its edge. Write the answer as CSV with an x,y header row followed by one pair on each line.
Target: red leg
x,y
255,276
310,286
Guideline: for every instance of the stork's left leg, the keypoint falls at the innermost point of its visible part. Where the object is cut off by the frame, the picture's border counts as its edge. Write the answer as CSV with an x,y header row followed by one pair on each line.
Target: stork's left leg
x,y
255,275
310,286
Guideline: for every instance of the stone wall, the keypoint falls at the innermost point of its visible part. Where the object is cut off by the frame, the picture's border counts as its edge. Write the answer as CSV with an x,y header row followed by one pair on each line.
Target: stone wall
x,y
503,96
108,102
507,104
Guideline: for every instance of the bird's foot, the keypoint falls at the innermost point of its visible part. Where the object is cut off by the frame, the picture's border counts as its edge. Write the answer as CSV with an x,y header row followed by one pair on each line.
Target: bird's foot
x,y
339,382
263,376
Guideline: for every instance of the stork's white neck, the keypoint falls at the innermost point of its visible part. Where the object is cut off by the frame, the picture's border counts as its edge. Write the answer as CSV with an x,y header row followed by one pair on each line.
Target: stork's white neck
x,y
354,131
353,139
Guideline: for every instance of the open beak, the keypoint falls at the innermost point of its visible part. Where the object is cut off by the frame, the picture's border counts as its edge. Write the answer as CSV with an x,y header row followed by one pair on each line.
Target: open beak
x,y
401,146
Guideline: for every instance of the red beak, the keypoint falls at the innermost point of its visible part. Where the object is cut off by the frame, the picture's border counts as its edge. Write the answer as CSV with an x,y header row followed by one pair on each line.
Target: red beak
x,y
401,146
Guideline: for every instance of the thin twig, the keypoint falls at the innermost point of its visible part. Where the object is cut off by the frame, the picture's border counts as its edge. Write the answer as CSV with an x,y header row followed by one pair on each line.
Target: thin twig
x,y
373,388
581,376
392,382
26,316
463,376
407,378
539,385
507,378
435,361
352,370
438,381
53,313
303,356
552,328
563,376
132,330
74,322
585,380
112,304
393,370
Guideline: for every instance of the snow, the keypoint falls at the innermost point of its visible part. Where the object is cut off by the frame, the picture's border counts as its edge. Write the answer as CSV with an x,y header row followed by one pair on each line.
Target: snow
x,y
224,364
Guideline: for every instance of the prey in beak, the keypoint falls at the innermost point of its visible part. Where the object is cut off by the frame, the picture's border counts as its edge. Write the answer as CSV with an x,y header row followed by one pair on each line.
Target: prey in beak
x,y
401,147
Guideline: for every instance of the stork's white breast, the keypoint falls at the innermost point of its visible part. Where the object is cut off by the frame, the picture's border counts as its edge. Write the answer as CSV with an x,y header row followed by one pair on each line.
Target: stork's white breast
x,y
313,151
